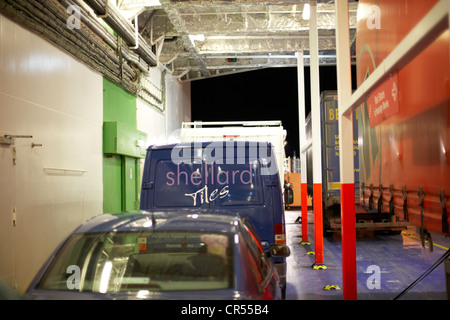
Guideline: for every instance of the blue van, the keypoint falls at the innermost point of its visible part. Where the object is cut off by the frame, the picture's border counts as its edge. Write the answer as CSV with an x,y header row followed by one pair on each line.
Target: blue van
x,y
234,176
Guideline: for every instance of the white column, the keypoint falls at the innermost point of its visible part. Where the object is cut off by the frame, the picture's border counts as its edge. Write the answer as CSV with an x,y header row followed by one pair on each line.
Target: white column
x,y
315,95
301,113
302,141
346,165
316,135
344,81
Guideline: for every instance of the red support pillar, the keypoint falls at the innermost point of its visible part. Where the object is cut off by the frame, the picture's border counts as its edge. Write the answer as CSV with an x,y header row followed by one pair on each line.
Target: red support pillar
x,y
304,196
348,223
318,225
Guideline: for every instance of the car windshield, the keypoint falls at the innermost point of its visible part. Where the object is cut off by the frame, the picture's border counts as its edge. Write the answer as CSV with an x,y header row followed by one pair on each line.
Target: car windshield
x,y
130,261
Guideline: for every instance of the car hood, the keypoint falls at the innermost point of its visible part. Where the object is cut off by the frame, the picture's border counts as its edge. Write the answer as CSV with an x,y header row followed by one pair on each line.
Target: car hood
x,y
229,294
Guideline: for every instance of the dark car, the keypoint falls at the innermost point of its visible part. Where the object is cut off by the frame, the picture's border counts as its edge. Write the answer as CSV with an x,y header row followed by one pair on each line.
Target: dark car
x,y
160,256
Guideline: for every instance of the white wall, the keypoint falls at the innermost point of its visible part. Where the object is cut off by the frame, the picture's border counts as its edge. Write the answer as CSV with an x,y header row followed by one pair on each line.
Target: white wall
x,y
161,126
149,119
47,94
178,106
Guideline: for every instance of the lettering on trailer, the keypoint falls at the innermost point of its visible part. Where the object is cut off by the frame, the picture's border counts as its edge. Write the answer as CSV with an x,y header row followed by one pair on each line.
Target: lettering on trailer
x,y
204,196
222,177
383,102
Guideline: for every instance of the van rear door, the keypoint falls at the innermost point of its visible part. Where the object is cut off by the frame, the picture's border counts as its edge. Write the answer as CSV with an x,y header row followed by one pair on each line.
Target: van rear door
x,y
166,183
248,193
236,178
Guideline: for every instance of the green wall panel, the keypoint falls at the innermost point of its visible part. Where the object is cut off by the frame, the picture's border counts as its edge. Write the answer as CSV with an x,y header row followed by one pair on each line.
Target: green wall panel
x,y
121,178
118,138
118,105
112,183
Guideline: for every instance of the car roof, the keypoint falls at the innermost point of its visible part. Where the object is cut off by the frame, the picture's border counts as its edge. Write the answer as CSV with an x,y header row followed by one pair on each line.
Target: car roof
x,y
205,144
213,221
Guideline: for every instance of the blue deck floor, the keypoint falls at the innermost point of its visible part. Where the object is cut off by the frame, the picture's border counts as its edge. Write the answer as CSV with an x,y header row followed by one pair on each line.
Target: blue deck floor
x,y
401,259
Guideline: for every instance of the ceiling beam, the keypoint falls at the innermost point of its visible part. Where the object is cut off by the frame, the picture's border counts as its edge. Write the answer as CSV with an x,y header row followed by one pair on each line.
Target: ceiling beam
x,y
177,22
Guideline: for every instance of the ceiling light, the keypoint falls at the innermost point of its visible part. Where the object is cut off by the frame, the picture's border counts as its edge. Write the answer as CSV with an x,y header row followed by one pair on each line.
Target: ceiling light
x,y
306,14
196,37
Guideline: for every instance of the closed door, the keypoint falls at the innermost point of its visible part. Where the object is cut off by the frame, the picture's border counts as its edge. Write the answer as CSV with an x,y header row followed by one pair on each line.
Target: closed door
x,y
130,184
121,183
7,207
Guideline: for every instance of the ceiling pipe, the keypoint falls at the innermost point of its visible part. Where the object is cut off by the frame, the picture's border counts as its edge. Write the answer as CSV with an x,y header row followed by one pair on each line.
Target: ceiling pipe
x,y
94,24
267,56
50,22
125,30
136,33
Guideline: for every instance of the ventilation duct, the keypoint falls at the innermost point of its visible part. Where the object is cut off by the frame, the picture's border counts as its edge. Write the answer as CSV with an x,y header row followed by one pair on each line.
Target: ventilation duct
x,y
126,31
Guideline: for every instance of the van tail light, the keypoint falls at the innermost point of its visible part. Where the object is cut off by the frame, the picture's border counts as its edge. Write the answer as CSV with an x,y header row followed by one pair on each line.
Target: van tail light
x,y
280,235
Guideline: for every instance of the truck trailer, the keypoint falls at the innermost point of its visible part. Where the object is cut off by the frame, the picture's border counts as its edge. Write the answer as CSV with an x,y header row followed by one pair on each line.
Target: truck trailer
x,y
404,146
367,218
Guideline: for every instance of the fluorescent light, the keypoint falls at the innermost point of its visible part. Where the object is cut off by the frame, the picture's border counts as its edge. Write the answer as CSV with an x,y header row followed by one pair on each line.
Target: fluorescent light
x,y
196,37
306,14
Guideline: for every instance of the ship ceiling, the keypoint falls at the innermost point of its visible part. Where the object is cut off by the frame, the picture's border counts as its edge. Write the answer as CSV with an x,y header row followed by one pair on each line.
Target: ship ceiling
x,y
197,39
